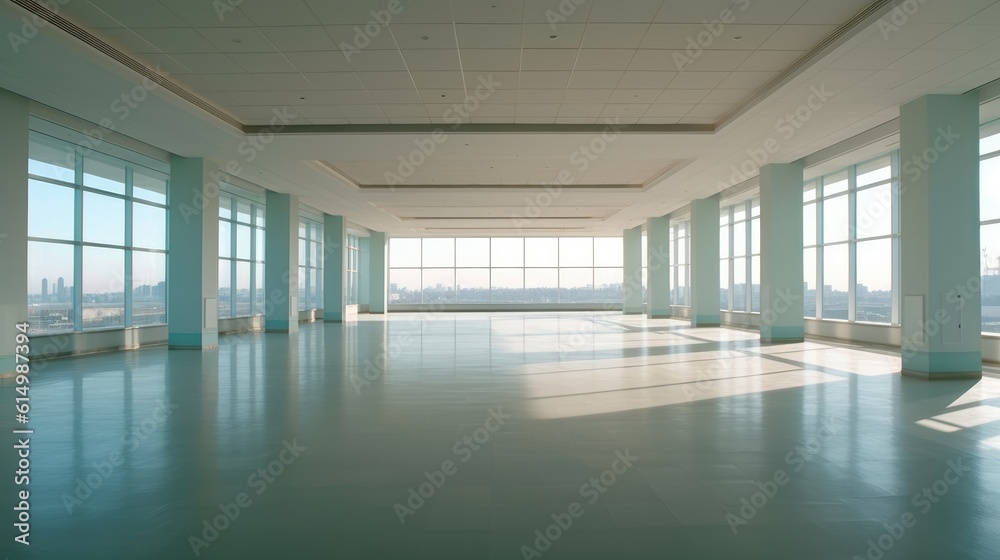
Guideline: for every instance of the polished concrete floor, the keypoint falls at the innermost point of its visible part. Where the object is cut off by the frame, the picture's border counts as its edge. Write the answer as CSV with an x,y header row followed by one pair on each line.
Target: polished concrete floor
x,y
617,437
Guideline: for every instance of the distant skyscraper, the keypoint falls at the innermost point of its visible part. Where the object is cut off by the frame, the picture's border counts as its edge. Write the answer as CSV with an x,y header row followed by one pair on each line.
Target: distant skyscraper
x,y
60,290
45,290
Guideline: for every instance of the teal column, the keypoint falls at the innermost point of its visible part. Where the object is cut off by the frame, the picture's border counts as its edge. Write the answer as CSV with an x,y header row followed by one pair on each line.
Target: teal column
x,y
334,268
378,292
705,283
13,226
939,236
658,268
193,241
632,239
781,290
281,263
364,274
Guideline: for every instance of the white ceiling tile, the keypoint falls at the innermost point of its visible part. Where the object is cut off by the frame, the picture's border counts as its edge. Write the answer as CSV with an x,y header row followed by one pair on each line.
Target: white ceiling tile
x,y
655,60
133,14
964,37
604,59
924,59
615,11
451,96
711,111
286,12
797,37
538,96
595,79
319,61
682,96
587,96
640,79
661,110
578,110
990,15
740,37
91,17
396,96
412,111
343,11
825,12
354,111
352,38
624,110
889,78
438,80
255,98
178,40
368,120
485,81
773,61
335,80
534,120
746,80
909,36
438,112
716,61
215,63
164,64
263,62
634,96
377,61
285,82
194,82
537,110
556,13
614,35
698,80
767,12
672,36
488,11
479,36
349,97
731,96
432,59
693,12
501,97
237,39
409,120
544,80
424,36
867,59
497,110
543,36
424,11
300,39
234,82
491,59
217,98
299,98
386,80
127,41
319,111
548,59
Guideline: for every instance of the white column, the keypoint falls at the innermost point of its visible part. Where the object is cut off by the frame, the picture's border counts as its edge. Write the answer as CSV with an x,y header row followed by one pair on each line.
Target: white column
x,y
334,268
632,239
378,293
705,263
13,225
658,268
281,263
782,278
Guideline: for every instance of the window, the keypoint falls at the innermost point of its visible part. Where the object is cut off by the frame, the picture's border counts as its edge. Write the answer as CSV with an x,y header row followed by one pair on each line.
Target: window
x,y
241,256
680,264
97,239
505,270
989,209
739,254
851,243
310,264
353,268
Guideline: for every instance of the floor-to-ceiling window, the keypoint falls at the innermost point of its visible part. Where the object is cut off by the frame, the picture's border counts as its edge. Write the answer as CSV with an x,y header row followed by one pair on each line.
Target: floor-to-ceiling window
x,y
353,267
97,243
505,270
739,253
241,256
851,243
680,263
310,264
989,209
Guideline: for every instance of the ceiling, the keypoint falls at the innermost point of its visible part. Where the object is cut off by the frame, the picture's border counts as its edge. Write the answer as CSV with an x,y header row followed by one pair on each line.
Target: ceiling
x,y
364,114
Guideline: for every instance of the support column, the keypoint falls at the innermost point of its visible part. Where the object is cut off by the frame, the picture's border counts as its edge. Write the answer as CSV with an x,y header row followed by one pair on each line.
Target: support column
x,y
658,268
193,273
364,274
281,263
378,294
13,225
632,239
705,263
939,235
782,278
334,268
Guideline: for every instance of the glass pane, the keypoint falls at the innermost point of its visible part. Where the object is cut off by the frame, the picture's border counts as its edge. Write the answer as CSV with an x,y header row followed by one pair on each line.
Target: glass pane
x,y
989,144
835,282
724,242
809,192
149,185
104,174
835,220
103,288
809,279
989,189
809,224
303,296
404,285
303,230
754,208
225,239
242,289
439,285
724,284
755,284
404,253
50,211
541,285
258,304
303,253
680,292
681,251
739,284
576,251
259,255
507,284
50,287
739,212
316,292
874,171
541,251
225,288
755,236
103,219
149,288
990,241
242,211
740,239
507,252
834,184
472,252
644,243
576,285
873,292
52,159
609,251
149,226
225,206
874,211
242,241
473,284
608,287
438,253
259,214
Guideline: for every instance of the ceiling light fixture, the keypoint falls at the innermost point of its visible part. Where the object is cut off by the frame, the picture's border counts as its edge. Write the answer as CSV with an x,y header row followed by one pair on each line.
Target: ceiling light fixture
x,y
424,37
553,36
738,38
238,41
